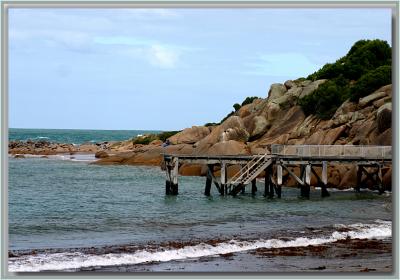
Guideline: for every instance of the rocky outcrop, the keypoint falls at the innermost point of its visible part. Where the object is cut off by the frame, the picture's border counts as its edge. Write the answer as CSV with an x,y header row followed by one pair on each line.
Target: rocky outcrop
x,y
276,91
190,135
101,154
276,119
384,116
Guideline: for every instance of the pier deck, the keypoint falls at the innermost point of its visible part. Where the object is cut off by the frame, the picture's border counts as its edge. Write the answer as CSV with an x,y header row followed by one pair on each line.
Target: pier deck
x,y
369,161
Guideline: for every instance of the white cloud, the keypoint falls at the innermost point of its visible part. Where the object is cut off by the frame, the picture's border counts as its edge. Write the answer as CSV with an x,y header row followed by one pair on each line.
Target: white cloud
x,y
163,57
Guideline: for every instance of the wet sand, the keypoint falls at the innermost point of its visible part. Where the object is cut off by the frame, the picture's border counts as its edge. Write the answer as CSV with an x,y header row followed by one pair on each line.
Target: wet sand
x,y
356,255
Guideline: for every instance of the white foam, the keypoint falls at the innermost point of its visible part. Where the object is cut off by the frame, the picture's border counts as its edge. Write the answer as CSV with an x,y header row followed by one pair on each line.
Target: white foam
x,y
72,261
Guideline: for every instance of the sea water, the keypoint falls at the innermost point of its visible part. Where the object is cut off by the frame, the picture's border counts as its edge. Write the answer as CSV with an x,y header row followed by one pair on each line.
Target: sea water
x,y
74,136
58,208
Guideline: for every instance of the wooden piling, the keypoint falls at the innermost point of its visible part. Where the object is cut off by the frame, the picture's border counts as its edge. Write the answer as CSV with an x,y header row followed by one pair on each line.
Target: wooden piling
x,y
267,174
253,187
305,187
207,190
322,182
359,177
223,178
175,170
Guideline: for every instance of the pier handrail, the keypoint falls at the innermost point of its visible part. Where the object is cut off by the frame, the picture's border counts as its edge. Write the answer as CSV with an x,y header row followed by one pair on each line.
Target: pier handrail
x,y
361,151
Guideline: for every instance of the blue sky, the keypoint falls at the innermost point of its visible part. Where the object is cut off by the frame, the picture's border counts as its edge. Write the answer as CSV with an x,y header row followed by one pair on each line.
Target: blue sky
x,y
166,69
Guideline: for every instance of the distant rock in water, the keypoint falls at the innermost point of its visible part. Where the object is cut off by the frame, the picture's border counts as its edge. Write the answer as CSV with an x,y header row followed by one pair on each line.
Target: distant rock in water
x,y
101,154
19,156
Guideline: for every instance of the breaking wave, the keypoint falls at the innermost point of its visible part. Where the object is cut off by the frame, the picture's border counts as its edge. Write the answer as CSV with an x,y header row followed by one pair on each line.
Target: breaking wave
x,y
72,261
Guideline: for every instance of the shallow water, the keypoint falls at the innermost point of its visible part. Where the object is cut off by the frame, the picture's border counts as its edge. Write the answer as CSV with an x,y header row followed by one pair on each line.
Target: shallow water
x,y
68,204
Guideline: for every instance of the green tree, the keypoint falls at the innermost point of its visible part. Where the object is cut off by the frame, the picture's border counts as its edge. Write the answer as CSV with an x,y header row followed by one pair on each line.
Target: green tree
x,y
236,106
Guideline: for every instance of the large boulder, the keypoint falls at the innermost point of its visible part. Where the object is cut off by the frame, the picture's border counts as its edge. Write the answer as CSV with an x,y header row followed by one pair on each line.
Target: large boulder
x,y
360,131
191,169
245,110
310,87
261,125
150,157
272,111
384,117
236,133
387,179
332,135
190,135
230,147
281,127
316,138
276,91
306,127
349,178
382,139
231,129
288,120
290,84
378,94
345,108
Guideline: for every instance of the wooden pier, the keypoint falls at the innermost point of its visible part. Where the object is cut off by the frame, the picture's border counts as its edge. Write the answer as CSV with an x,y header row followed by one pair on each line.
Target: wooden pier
x,y
369,161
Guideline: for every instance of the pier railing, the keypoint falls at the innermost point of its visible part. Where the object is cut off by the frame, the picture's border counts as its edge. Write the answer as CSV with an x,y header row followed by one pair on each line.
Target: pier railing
x,y
344,151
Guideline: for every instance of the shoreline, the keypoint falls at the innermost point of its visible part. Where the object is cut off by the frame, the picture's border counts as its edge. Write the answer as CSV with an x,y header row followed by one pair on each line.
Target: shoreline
x,y
339,245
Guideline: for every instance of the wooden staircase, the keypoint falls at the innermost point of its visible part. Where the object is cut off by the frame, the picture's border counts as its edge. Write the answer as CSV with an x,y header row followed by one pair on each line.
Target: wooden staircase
x,y
249,172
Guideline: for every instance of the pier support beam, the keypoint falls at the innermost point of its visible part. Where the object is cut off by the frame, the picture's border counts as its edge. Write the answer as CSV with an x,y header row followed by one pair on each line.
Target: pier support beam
x,y
269,188
223,186
266,181
175,170
207,190
253,187
359,177
305,177
278,187
375,176
322,182
168,181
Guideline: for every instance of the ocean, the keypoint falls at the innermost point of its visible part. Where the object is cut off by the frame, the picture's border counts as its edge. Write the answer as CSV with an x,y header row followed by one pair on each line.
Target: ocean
x,y
70,215
74,136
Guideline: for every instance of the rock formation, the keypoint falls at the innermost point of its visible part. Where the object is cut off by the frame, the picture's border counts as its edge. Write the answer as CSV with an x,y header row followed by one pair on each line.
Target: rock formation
x,y
276,119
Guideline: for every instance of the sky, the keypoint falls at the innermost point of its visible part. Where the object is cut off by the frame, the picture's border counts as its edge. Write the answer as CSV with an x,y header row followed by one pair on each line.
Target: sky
x,y
166,69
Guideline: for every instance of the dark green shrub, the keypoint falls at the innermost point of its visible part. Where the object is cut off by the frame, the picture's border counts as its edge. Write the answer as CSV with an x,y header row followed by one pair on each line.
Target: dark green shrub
x,y
363,56
371,81
367,64
236,106
249,100
166,134
325,100
148,138
144,140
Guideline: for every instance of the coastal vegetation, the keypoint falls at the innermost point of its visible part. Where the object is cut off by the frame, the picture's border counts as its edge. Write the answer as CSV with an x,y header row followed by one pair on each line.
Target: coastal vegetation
x,y
237,107
365,68
148,138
